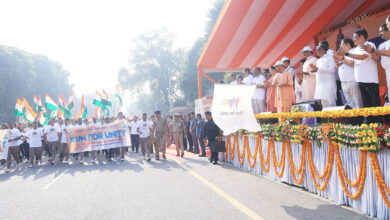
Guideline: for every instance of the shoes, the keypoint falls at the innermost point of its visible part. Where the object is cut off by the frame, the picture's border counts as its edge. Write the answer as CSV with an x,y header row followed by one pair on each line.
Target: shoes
x,y
177,155
122,159
196,152
164,157
182,155
215,163
202,155
81,161
30,166
149,159
52,163
210,160
65,161
157,158
7,170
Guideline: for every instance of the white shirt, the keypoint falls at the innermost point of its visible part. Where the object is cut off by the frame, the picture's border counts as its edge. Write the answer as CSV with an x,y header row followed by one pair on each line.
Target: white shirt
x,y
234,82
346,72
63,136
144,128
15,133
35,137
385,60
366,70
325,78
306,66
248,79
52,133
259,92
134,125
290,70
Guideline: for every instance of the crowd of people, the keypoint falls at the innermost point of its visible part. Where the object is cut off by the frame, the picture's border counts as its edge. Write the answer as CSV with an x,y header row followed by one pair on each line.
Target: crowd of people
x,y
31,142
353,67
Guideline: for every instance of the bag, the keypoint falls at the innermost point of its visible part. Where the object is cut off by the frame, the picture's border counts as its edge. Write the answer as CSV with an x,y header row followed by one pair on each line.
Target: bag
x,y
217,146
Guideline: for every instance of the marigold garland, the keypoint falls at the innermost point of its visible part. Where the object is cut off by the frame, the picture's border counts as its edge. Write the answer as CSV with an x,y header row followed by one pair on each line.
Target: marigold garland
x,y
328,168
301,169
268,160
249,155
383,189
241,157
282,159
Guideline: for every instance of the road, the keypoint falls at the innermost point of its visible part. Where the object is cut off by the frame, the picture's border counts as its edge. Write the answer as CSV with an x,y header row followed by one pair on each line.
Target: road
x,y
177,188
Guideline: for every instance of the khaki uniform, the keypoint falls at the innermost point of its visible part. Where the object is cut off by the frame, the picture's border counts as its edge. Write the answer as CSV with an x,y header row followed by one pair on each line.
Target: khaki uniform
x,y
178,130
160,135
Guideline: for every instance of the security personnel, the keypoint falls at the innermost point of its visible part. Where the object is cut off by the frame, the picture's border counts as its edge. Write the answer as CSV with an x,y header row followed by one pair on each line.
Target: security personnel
x,y
179,130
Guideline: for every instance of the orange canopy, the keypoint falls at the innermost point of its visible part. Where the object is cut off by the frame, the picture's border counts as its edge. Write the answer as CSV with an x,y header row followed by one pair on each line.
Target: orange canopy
x,y
250,33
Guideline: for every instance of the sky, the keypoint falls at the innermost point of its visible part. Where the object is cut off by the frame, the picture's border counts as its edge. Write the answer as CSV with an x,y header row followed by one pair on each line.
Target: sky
x,y
91,39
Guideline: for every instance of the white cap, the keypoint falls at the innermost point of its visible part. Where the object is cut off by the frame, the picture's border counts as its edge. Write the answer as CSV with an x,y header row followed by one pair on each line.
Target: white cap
x,y
285,59
307,48
278,63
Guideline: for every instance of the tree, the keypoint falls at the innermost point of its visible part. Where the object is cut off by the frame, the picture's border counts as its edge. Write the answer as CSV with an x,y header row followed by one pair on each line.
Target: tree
x,y
153,68
188,79
25,75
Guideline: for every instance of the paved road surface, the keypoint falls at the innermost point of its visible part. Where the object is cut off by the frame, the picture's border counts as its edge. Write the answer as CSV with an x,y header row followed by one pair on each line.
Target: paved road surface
x,y
178,188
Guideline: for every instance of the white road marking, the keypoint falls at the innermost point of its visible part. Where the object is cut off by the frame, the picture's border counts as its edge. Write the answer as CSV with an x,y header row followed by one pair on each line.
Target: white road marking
x,y
53,181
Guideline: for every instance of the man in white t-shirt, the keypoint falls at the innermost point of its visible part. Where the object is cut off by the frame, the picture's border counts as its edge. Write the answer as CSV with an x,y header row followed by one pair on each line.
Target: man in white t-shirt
x,y
248,78
13,146
309,75
64,149
52,134
126,142
233,80
144,129
365,68
34,136
258,98
134,134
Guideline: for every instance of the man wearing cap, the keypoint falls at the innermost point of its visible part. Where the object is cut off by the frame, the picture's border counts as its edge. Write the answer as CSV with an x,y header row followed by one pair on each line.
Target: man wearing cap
x,y
286,62
179,130
258,98
309,78
285,96
160,130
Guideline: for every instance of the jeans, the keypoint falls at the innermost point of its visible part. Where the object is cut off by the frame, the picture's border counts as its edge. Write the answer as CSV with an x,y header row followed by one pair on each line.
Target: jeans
x,y
134,142
195,141
201,143
370,98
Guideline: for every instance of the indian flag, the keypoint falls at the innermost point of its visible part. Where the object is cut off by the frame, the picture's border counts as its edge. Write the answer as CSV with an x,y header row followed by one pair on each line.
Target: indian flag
x,y
18,108
50,103
40,107
83,112
42,118
105,100
35,104
70,102
118,96
98,100
63,106
98,113
29,114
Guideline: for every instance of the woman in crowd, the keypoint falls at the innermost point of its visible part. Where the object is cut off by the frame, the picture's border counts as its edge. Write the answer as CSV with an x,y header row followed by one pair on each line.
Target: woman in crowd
x,y
283,82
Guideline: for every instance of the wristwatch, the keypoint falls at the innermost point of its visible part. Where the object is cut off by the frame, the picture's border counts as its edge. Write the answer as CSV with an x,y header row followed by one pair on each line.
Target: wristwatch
x,y
346,54
372,50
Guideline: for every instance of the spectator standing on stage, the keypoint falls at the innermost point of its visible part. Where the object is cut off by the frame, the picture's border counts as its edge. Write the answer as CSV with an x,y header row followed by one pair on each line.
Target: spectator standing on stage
x,y
348,84
286,62
248,78
233,80
239,80
258,98
271,91
365,68
212,131
326,89
309,78
283,82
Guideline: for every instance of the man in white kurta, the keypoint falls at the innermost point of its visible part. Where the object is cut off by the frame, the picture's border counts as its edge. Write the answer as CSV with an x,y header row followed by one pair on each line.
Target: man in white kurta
x,y
309,75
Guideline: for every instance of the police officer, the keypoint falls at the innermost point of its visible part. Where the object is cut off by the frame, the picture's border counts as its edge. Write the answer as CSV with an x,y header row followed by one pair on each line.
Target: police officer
x,y
179,130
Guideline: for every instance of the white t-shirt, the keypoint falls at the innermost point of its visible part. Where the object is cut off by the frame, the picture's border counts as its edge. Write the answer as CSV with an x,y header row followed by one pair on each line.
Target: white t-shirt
x,y
35,137
365,71
52,133
346,72
63,136
234,82
248,79
144,128
134,125
385,60
15,133
259,92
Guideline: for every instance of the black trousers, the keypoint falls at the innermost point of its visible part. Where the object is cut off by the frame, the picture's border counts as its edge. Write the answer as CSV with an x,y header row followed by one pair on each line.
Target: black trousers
x,y
24,150
370,98
185,143
190,142
214,156
134,142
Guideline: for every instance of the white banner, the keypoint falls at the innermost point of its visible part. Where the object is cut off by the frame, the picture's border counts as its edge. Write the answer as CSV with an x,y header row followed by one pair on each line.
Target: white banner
x,y
4,136
232,108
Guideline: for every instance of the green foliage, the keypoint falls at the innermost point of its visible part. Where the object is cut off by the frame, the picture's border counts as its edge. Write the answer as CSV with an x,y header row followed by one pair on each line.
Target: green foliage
x,y
24,74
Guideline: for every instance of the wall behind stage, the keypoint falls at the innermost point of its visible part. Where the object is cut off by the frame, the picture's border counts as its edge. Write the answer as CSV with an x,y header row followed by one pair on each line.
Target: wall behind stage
x,y
371,24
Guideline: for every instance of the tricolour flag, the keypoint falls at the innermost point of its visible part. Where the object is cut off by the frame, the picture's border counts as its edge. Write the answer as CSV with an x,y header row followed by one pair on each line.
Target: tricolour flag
x,y
29,114
105,100
18,108
63,107
118,96
98,113
35,104
40,107
50,103
98,100
70,102
42,118
83,112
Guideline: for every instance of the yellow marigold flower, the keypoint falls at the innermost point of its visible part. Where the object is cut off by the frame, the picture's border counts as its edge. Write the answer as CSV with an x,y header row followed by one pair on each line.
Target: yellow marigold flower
x,y
359,134
369,132
363,126
339,132
368,140
372,147
359,141
374,139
